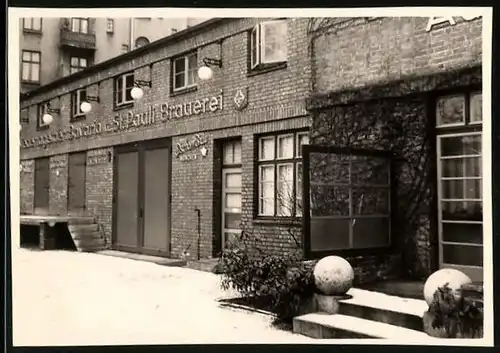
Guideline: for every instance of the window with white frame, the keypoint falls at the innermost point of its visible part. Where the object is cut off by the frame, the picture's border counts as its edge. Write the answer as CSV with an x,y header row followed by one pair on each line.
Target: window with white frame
x,y
268,43
280,174
184,71
110,25
80,25
123,89
32,24
30,69
77,64
42,109
77,98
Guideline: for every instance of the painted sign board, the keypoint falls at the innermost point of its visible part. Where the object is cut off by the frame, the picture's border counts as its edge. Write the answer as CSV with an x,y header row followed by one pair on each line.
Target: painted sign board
x,y
438,20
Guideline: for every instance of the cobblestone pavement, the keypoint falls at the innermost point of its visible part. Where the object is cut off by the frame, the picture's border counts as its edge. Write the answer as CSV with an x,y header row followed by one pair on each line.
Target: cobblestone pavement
x,y
70,298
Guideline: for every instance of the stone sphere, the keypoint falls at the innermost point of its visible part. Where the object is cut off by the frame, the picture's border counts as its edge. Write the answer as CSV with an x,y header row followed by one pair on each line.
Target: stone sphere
x,y
454,278
333,275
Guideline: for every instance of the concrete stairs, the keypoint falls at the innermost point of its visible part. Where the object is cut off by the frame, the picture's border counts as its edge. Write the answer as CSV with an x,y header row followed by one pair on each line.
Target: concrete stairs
x,y
368,314
87,235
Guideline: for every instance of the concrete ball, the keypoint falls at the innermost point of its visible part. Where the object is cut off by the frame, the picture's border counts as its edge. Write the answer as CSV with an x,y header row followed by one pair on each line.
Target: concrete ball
x,y
455,279
333,275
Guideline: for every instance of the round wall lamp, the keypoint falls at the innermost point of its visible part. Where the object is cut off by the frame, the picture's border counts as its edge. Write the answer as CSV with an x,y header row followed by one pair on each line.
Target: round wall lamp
x,y
137,92
86,107
205,72
47,117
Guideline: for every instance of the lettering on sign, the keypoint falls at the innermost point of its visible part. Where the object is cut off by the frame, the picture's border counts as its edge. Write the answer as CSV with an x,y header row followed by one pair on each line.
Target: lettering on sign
x,y
154,114
438,20
57,164
97,159
189,149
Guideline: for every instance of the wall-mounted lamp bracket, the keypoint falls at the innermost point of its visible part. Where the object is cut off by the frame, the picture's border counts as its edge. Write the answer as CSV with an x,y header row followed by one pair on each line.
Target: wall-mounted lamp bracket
x,y
212,62
92,99
142,83
54,111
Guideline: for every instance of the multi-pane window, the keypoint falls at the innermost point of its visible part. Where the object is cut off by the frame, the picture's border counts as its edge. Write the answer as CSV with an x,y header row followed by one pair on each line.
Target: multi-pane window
x,y
459,150
110,25
32,24
184,71
268,43
30,66
24,117
280,174
231,153
123,89
77,64
77,98
42,109
80,25
141,41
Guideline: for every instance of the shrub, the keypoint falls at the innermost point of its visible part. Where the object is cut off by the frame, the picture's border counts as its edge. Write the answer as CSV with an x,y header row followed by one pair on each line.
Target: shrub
x,y
284,280
456,315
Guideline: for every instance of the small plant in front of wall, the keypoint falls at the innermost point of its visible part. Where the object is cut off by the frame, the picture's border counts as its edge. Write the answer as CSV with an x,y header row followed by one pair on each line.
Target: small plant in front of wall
x,y
455,315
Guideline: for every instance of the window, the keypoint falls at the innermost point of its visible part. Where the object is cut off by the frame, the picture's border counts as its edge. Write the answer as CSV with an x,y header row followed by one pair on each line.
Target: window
x,y
32,24
280,174
77,98
42,109
24,117
77,64
184,71
268,43
231,153
30,66
123,88
141,41
110,25
80,25
459,109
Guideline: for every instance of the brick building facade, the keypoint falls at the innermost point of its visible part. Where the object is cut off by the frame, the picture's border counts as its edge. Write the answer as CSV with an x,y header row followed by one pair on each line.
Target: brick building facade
x,y
228,149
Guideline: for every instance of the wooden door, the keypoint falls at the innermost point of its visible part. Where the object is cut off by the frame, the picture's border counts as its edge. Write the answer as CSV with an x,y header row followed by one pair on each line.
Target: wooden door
x,y
42,186
77,163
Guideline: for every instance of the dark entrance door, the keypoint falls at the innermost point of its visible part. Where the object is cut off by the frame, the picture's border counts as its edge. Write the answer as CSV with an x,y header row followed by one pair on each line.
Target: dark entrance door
x,y
42,186
76,182
142,198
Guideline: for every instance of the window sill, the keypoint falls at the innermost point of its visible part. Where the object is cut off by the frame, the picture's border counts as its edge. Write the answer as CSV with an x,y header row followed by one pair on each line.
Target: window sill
x,y
277,221
42,127
76,118
182,91
123,106
266,69
352,253
32,31
31,83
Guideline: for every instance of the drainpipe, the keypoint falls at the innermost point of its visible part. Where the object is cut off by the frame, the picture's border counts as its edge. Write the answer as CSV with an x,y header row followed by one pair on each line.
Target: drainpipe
x,y
132,23
198,213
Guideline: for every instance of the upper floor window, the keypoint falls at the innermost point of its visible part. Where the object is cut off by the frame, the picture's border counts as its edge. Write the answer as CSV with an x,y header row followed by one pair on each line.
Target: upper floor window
x,y
280,174
77,98
30,70
80,25
32,24
268,43
77,64
123,89
141,41
42,109
459,109
24,117
110,25
184,71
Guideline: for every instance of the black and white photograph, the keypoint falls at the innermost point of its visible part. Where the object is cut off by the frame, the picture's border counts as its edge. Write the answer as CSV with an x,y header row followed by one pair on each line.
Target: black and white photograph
x,y
251,176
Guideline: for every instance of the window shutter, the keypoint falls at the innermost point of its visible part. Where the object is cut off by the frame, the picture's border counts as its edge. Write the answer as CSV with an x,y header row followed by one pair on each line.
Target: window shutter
x,y
273,45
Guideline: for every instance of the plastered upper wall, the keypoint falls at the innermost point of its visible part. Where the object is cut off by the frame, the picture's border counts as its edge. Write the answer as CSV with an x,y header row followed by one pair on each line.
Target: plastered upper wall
x,y
352,52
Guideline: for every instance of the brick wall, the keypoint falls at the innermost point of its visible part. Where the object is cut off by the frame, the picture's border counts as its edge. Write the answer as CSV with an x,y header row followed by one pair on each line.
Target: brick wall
x,y
27,186
357,51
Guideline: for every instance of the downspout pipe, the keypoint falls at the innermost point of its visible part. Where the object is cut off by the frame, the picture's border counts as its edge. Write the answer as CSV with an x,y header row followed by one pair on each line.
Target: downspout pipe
x,y
132,30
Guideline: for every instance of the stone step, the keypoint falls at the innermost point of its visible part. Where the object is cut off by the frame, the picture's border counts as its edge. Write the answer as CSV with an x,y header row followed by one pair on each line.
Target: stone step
x,y
324,326
87,235
90,243
94,227
388,309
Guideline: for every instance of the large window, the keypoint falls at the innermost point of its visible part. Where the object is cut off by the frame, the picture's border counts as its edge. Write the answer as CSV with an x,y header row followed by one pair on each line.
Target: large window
x,y
80,25
459,148
184,71
268,43
77,98
31,62
77,64
280,174
32,24
123,89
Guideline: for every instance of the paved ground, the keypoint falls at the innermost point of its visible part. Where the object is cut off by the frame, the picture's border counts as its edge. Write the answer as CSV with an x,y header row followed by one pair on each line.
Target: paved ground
x,y
69,298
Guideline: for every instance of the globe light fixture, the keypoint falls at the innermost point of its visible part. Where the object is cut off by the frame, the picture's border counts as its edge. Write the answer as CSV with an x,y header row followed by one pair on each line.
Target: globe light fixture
x,y
137,93
85,107
205,72
47,119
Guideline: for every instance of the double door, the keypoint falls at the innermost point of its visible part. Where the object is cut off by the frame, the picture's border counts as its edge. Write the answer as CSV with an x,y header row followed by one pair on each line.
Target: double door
x,y
142,198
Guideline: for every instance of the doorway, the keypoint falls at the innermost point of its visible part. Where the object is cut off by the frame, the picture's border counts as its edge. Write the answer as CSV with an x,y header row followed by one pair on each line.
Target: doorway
x,y
142,211
42,185
231,193
77,165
